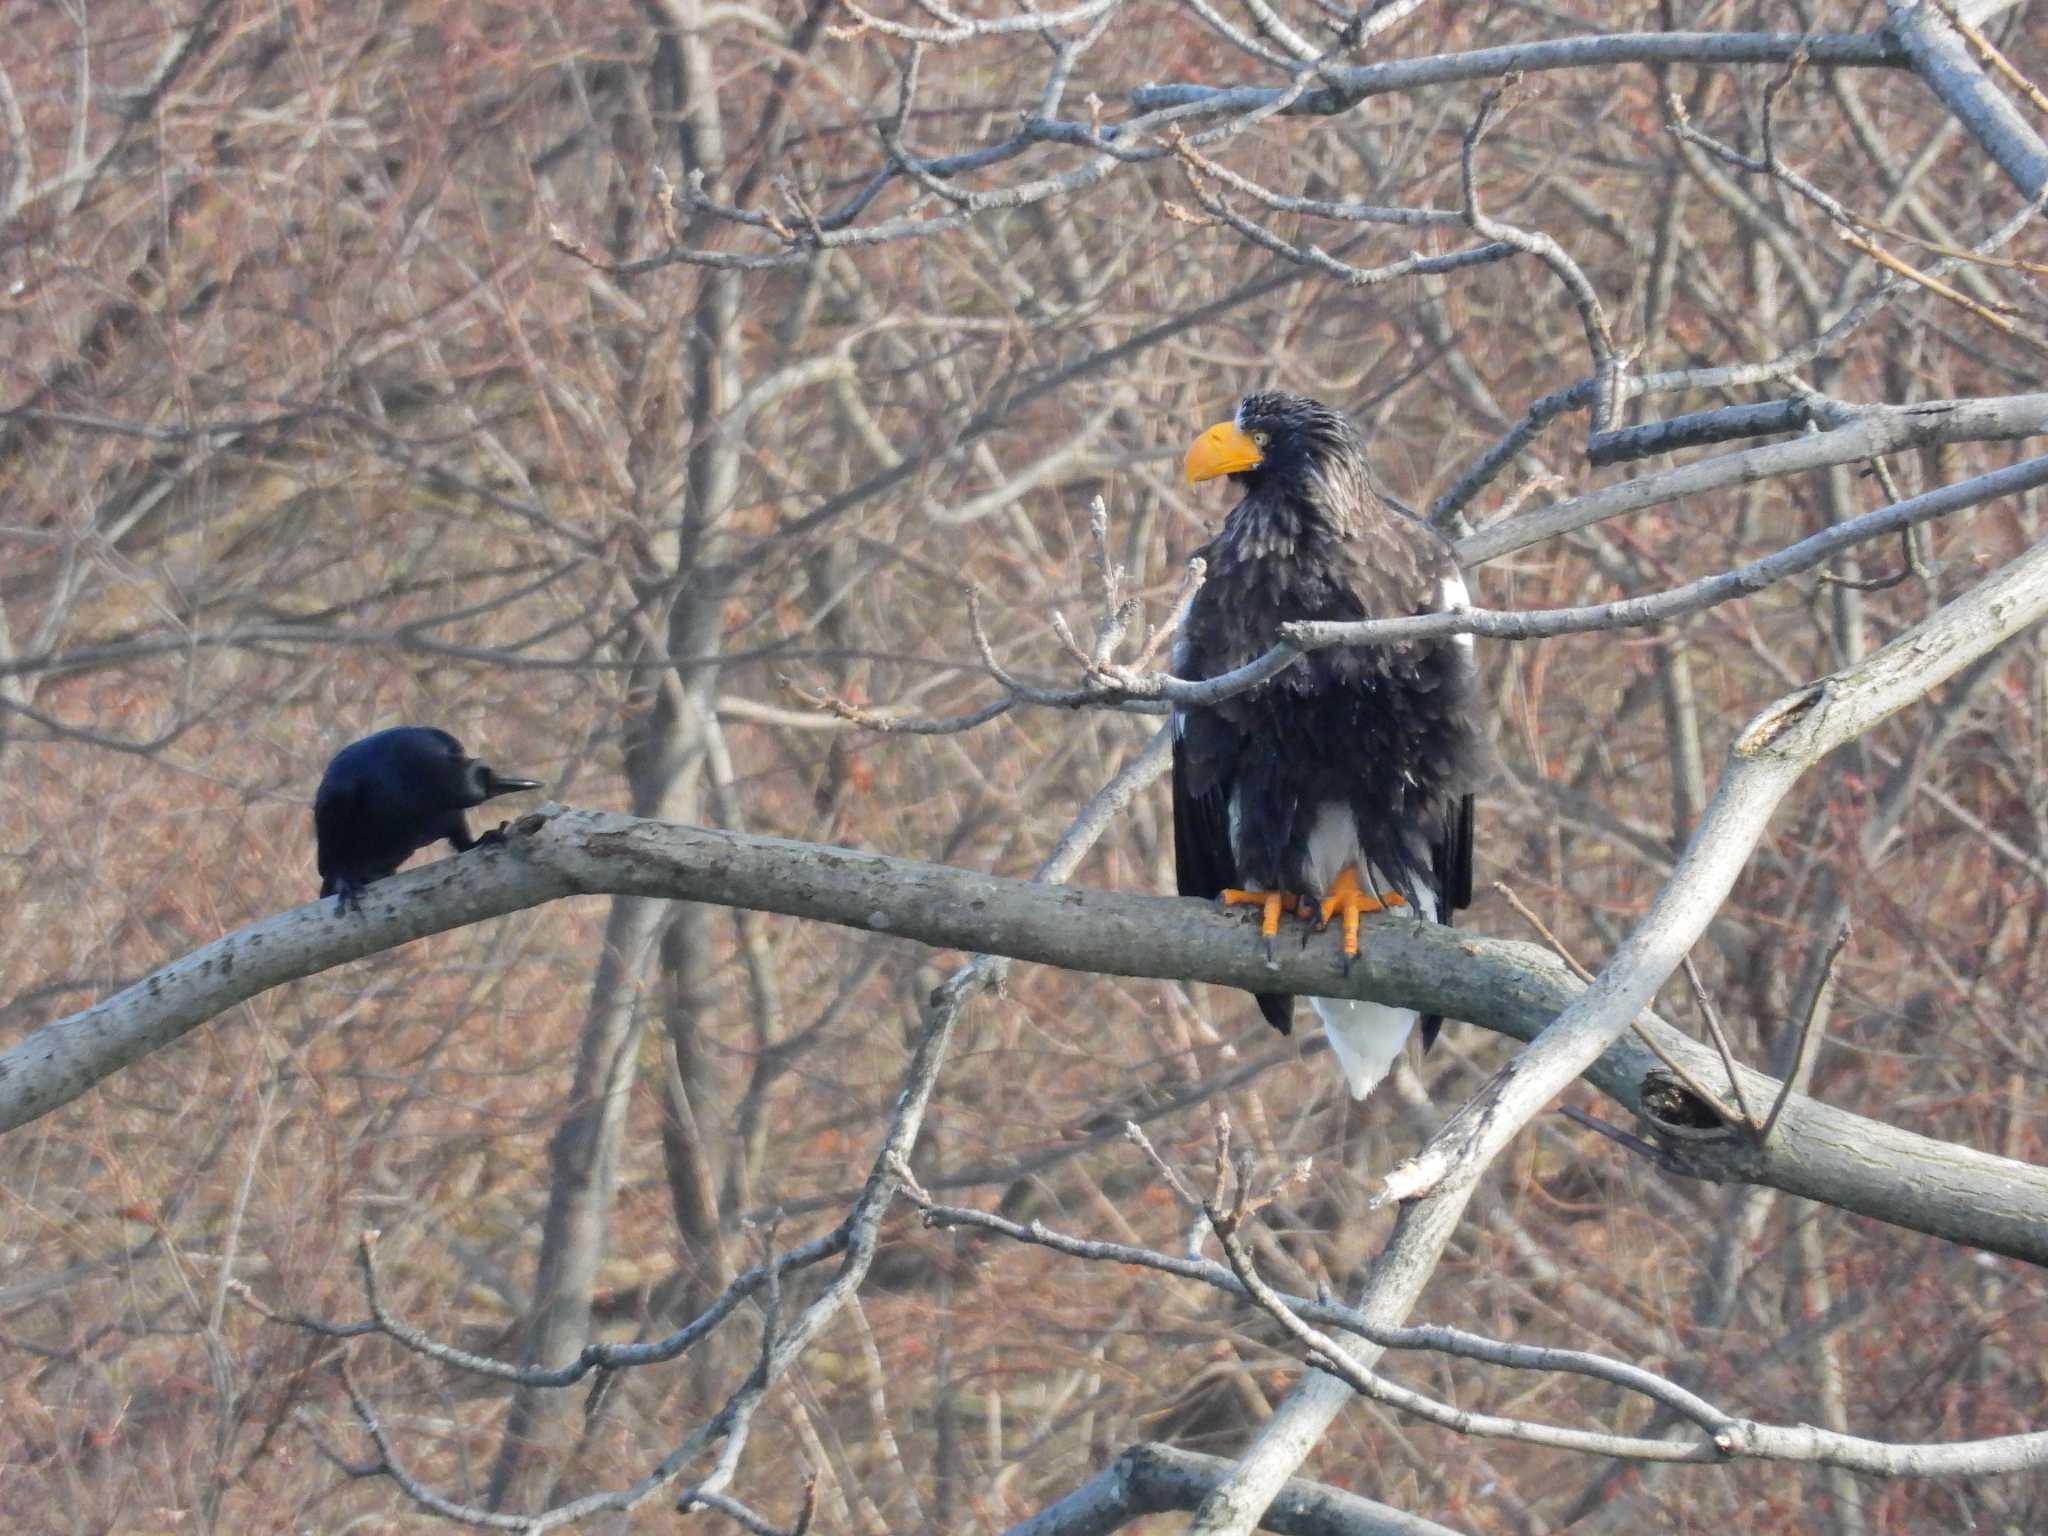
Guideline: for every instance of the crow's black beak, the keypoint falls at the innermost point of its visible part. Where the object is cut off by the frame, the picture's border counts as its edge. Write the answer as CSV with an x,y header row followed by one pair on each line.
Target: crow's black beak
x,y
495,784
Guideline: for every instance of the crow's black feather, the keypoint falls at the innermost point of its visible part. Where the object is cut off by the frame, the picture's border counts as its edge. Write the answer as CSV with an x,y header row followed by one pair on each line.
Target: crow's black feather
x,y
387,796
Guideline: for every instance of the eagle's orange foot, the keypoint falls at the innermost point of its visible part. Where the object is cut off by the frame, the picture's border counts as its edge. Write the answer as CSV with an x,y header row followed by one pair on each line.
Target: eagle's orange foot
x,y
1351,899
1271,905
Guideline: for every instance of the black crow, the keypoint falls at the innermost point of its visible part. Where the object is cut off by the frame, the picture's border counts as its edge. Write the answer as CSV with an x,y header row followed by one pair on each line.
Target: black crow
x,y
387,796
1344,784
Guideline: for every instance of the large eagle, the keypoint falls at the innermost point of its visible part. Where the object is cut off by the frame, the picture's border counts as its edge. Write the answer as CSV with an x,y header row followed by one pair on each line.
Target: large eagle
x,y
1343,785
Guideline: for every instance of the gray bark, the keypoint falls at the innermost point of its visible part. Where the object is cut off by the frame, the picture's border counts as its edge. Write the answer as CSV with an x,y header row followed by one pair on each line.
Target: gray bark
x,y
1152,1479
1868,432
1816,1151
1944,63
1349,86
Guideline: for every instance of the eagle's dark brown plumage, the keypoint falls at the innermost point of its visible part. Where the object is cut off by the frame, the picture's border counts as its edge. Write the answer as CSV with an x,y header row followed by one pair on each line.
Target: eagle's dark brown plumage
x,y
1362,758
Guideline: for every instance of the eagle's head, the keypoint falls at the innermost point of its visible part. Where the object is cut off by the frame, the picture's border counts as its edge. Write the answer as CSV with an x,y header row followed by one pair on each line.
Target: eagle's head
x,y
1277,442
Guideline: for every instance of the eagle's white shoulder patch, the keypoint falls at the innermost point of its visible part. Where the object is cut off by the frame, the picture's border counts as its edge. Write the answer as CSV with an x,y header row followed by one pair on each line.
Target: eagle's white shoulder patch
x,y
1452,595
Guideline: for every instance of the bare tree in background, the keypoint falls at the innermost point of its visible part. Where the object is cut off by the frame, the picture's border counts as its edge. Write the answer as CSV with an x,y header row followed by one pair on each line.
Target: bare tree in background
x,y
635,393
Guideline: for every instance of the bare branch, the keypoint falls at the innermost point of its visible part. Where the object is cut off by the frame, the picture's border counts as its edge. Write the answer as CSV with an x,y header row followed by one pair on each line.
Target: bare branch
x,y
1592,314
1348,87
1944,65
960,29
1154,1479
1802,1059
1724,1436
1711,1016
1826,1154
1861,432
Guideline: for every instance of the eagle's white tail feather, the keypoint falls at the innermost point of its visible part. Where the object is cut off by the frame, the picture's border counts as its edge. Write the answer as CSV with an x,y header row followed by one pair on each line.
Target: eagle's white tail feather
x,y
1364,1037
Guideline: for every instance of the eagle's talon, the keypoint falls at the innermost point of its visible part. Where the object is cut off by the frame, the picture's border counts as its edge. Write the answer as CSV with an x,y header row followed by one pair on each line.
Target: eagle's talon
x,y
1352,900
1271,905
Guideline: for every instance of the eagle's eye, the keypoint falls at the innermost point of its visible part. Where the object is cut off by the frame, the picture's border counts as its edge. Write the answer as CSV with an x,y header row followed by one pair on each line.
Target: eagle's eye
x,y
1261,438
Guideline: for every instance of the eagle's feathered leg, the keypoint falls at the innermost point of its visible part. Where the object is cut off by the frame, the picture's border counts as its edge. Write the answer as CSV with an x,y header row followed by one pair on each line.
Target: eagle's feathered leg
x,y
1271,904
1353,901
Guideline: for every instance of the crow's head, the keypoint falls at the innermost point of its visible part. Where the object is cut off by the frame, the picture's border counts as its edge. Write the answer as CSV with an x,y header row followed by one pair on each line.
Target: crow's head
x,y
480,781
435,762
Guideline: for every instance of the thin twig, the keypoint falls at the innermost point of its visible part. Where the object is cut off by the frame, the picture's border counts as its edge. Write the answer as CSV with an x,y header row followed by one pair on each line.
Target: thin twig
x,y
1719,1036
1802,1060
886,724
1940,289
1909,546
1222,1169
1528,915
1186,1196
1616,1134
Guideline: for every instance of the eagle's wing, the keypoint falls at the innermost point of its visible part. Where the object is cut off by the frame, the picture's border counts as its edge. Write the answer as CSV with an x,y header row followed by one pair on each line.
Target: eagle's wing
x,y
1203,863
1205,750
1451,865
1453,859
1207,747
1451,852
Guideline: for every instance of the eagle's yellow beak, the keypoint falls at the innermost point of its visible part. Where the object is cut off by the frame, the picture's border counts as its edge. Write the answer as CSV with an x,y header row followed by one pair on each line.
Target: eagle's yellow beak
x,y
1222,450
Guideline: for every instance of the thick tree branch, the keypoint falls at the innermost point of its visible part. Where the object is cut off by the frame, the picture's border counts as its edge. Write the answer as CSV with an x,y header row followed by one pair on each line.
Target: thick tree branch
x,y
1347,87
1860,432
1816,1151
1152,1479
1944,65
1693,596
